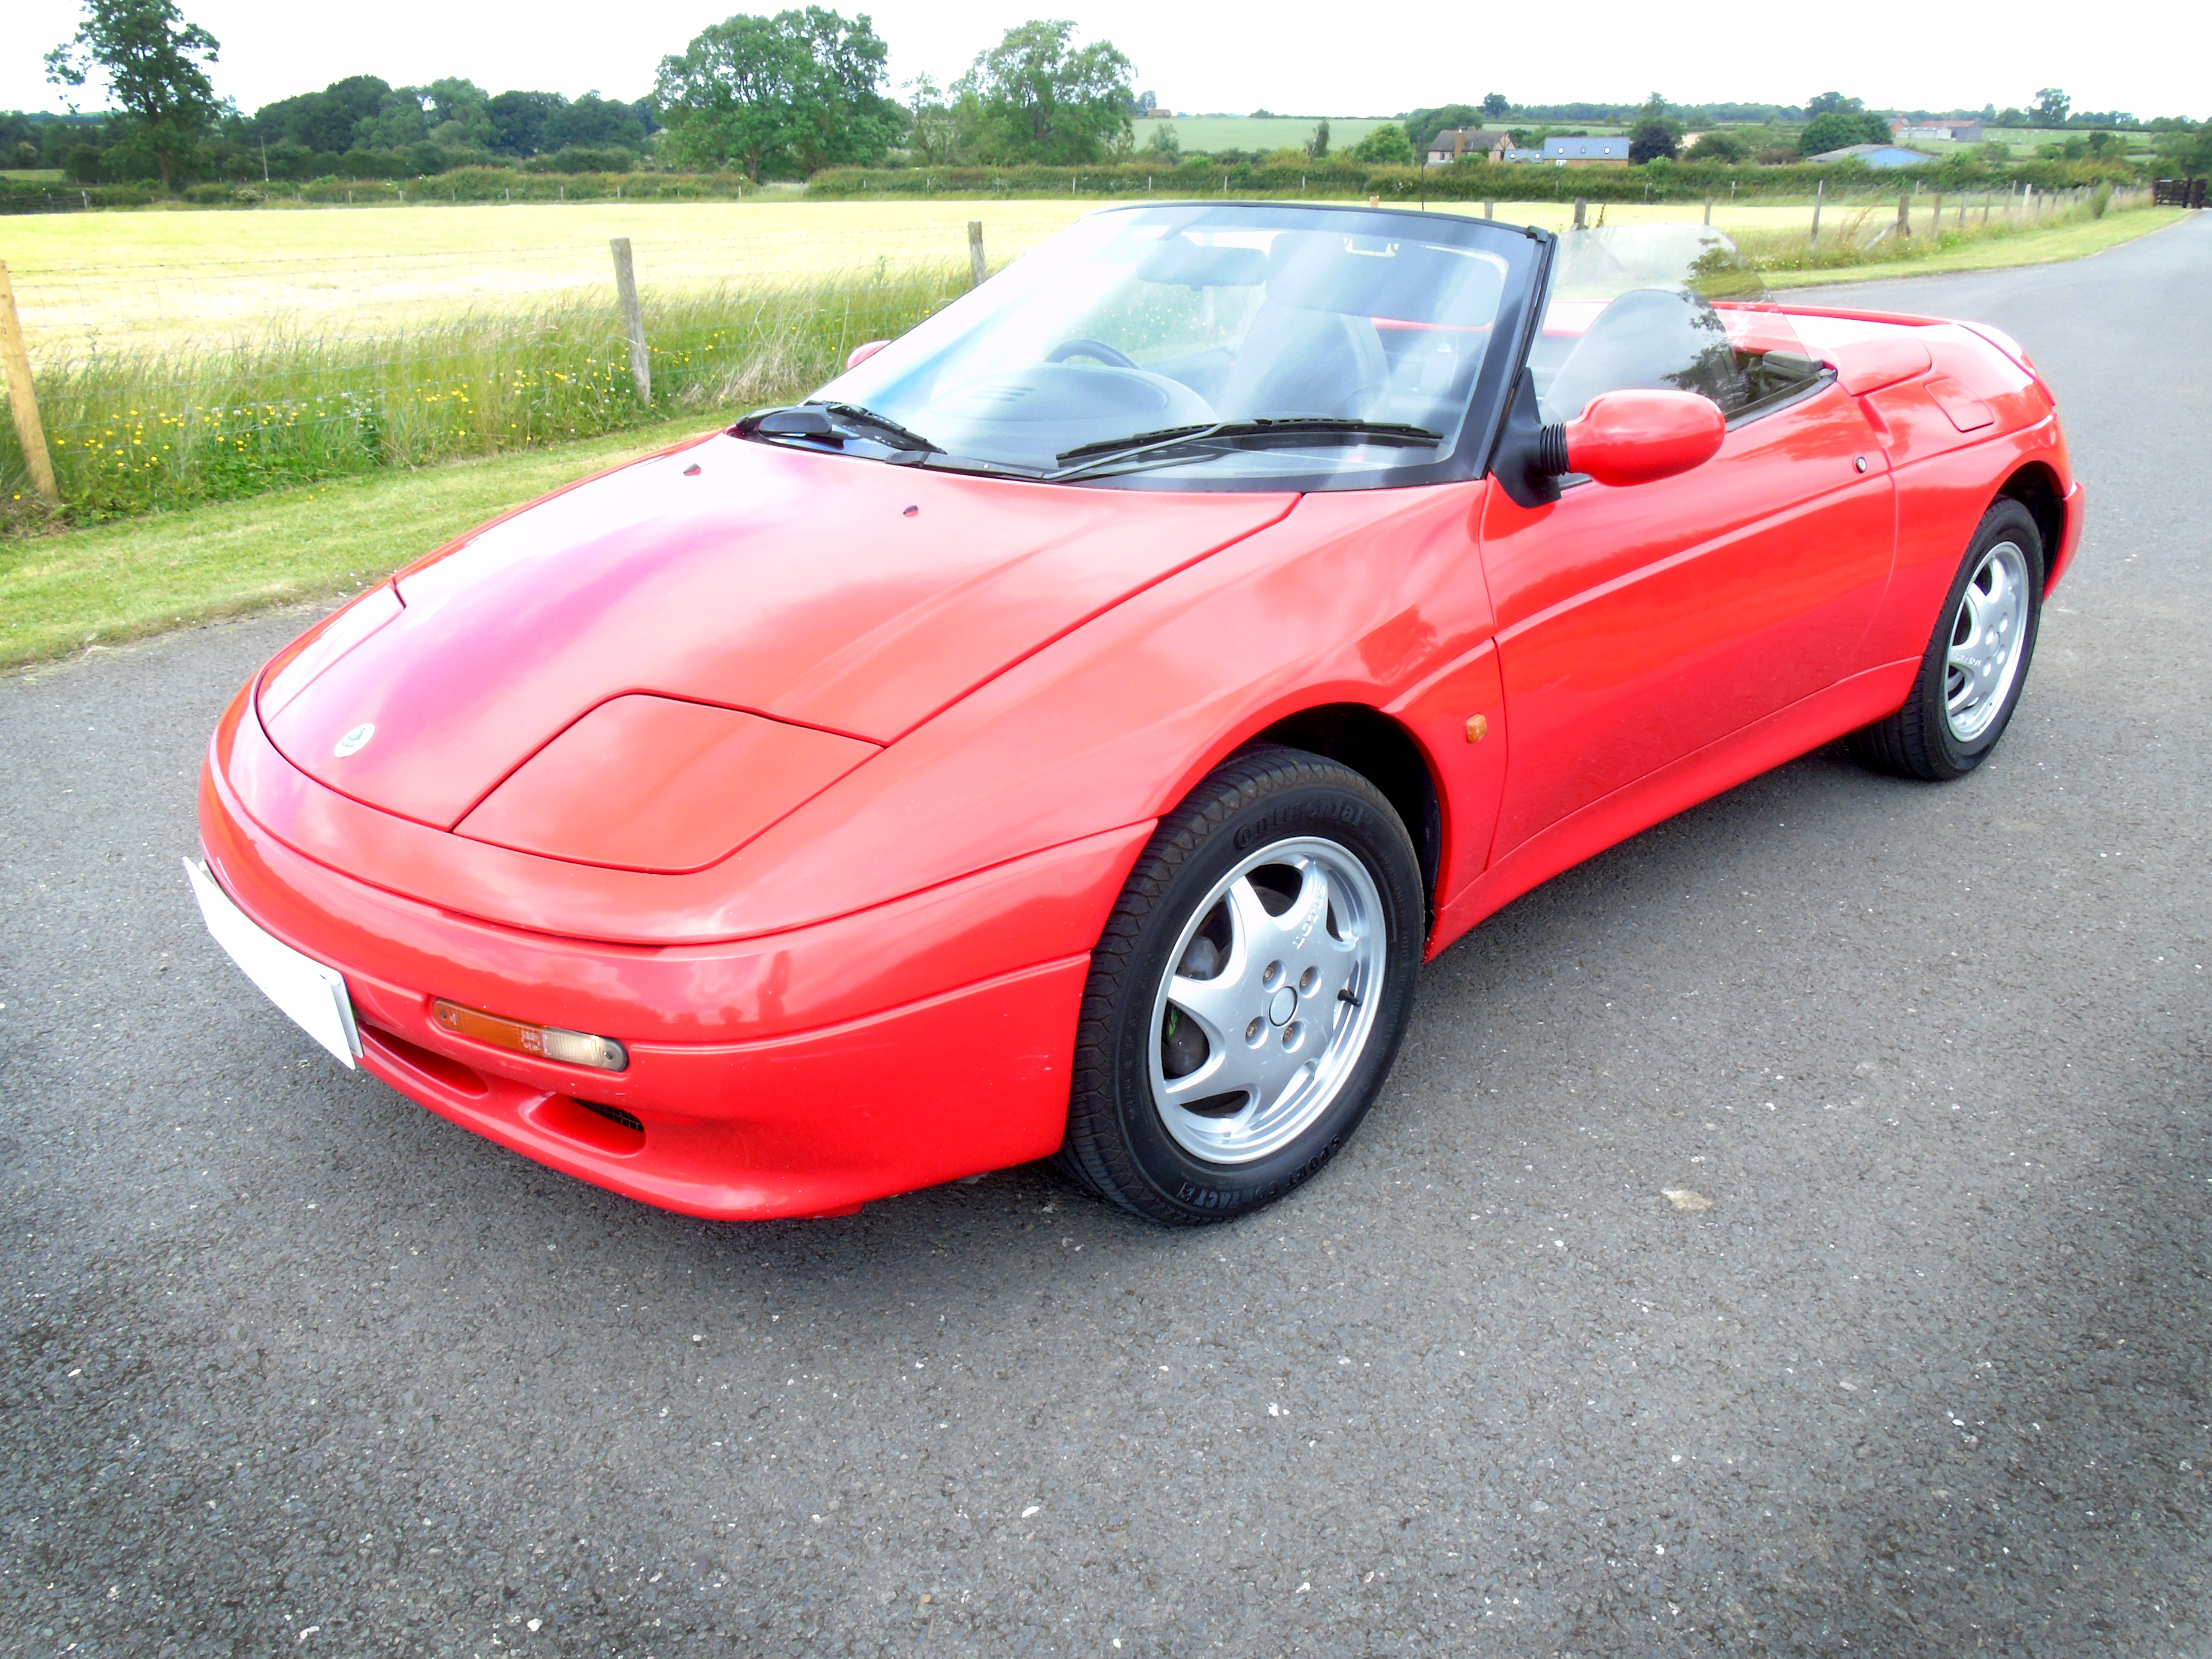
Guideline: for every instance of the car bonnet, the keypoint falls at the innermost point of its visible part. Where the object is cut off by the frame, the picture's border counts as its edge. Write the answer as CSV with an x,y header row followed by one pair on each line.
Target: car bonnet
x,y
848,596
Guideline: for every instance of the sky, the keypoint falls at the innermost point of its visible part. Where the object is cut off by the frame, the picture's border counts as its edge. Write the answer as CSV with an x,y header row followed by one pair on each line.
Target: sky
x,y
1293,58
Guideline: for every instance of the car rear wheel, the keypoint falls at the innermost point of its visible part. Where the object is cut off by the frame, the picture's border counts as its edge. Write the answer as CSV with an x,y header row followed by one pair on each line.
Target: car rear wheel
x,y
1248,996
1976,665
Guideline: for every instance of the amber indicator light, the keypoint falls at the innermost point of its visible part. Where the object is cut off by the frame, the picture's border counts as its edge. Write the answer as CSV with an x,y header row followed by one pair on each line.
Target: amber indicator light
x,y
540,1042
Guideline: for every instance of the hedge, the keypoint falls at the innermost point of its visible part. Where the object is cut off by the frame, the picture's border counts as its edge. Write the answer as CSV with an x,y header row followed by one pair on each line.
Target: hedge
x,y
1465,181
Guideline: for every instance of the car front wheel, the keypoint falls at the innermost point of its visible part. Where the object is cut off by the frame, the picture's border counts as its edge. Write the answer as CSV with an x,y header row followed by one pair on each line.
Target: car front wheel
x,y
1976,665
1249,992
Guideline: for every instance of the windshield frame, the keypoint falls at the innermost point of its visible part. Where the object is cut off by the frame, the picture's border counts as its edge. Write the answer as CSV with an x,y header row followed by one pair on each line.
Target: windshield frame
x,y
1525,251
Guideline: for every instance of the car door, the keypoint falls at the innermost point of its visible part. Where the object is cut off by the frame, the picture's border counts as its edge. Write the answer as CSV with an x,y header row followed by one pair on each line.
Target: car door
x,y
1640,624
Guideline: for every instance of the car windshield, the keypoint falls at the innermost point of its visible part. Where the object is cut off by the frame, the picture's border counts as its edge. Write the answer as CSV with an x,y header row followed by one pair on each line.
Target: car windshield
x,y
1263,345
1664,307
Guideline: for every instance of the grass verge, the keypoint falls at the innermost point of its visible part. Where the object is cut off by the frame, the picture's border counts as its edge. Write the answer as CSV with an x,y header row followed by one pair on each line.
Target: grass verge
x,y
2078,236
121,582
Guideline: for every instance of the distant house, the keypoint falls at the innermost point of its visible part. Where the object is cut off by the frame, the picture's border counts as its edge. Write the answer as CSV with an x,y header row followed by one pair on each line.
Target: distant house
x,y
1586,149
1523,155
1956,132
1877,156
1452,143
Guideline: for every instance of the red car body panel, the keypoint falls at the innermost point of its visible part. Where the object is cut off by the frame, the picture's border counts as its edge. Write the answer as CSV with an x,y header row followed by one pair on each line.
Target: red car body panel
x,y
698,576
858,973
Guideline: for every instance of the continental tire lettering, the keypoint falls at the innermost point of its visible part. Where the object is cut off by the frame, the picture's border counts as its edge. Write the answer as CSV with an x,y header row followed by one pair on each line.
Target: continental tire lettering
x,y
1224,1197
1312,1166
1350,813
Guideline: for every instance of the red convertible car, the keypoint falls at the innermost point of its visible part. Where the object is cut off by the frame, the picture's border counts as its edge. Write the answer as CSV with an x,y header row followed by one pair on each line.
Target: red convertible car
x,y
1067,732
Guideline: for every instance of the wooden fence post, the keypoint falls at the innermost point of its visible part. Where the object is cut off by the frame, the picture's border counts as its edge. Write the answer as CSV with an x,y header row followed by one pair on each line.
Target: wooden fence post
x,y
23,398
976,268
1904,215
1820,195
1709,209
1581,210
1490,209
641,365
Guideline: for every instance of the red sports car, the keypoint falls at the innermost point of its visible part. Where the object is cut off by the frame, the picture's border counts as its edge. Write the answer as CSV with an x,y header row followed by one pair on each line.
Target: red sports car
x,y
1067,732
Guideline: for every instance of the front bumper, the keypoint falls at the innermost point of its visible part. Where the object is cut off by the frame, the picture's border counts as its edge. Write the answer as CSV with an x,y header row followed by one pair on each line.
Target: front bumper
x,y
794,1074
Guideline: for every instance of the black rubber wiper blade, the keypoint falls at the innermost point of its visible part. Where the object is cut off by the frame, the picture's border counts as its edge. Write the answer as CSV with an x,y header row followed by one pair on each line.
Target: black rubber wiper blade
x,y
903,437
820,422
1086,457
1138,440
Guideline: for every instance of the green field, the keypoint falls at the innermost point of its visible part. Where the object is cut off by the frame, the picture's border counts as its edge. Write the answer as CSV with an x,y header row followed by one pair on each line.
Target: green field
x,y
1214,132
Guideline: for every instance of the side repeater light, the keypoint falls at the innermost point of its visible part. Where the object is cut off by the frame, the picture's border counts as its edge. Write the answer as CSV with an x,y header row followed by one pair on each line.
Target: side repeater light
x,y
540,1042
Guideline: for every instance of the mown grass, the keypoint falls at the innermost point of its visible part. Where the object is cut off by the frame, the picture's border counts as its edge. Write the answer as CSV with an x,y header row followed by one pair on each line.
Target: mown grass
x,y
136,433
60,593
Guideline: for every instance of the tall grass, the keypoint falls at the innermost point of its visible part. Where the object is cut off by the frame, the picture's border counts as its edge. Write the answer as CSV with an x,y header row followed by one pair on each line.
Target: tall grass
x,y
130,432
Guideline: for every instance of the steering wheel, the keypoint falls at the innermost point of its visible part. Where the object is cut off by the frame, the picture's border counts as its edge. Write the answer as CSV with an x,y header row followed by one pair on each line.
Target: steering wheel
x,y
1099,348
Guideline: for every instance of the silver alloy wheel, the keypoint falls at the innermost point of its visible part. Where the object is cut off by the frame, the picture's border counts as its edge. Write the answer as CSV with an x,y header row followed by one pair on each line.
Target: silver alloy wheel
x,y
1988,635
1284,998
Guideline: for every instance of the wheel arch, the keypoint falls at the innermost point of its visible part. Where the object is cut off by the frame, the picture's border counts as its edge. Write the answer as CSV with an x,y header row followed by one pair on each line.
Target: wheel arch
x,y
1385,753
2036,487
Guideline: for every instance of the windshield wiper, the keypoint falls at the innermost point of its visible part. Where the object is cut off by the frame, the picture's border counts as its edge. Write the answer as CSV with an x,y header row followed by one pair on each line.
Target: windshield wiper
x,y
1085,457
820,422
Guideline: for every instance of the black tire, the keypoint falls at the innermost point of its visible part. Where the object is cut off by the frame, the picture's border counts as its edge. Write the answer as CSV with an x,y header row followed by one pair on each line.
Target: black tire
x,y
1119,1142
1918,740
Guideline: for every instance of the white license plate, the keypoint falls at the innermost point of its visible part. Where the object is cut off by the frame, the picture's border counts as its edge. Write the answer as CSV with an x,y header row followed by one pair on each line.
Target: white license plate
x,y
314,996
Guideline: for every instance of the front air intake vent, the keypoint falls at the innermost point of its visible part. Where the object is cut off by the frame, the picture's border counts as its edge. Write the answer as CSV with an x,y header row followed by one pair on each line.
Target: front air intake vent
x,y
615,1115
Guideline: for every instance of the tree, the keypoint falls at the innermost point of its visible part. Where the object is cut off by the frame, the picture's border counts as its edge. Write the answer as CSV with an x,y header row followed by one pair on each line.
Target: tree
x,y
460,114
396,125
321,121
935,131
787,94
1654,137
154,62
2051,107
1317,146
1165,145
1036,98
1652,140
2187,150
517,120
1386,146
1718,146
1841,129
1831,103
1422,126
1496,107
592,123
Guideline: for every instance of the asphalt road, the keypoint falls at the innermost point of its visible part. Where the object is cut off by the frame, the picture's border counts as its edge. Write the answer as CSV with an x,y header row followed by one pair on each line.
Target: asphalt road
x,y
294,1366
